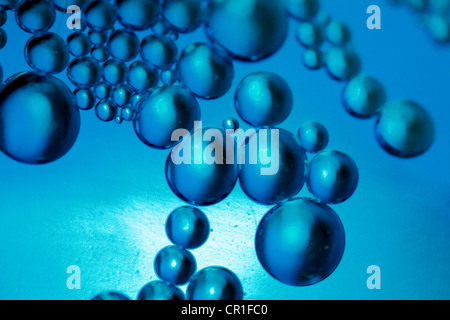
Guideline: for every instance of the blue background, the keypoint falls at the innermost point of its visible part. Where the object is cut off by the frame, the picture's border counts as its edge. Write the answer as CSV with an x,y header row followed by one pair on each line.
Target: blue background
x,y
103,205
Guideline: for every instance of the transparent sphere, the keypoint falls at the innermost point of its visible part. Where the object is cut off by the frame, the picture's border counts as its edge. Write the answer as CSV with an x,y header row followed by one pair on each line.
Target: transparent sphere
x,y
121,95
84,72
3,38
263,99
160,290
309,34
197,163
100,15
39,118
115,72
300,242
137,14
206,70
123,45
404,129
302,9
174,265
78,44
187,227
439,27
111,295
271,179
168,108
98,37
127,113
85,98
215,283
169,77
160,51
142,76
363,97
184,15
257,32
105,111
230,124
332,176
100,54
161,28
338,33
342,63
313,58
102,91
35,15
47,53
313,136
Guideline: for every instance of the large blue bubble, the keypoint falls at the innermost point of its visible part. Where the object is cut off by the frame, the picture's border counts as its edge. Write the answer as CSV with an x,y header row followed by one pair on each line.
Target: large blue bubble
x,y
174,265
300,242
39,118
35,15
215,283
137,14
160,290
47,53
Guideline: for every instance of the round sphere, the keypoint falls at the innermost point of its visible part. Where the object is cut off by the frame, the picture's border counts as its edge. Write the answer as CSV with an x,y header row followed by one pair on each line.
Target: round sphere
x,y
174,265
142,77
100,54
3,38
111,295
230,124
78,44
332,176
309,34
127,113
206,70
183,15
313,58
342,63
215,283
363,97
302,9
313,137
263,99
39,118
137,14
84,73
100,15
165,110
115,72
123,45
102,91
404,129
196,164
438,26
248,29
160,51
160,290
35,15
187,227
338,33
105,111
300,242
271,180
85,98
98,37
47,53
121,95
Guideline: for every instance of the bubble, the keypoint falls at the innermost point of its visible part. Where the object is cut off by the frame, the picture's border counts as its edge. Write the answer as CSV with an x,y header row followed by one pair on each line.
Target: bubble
x,y
100,54
168,108
284,175
102,91
137,96
342,64
309,34
160,28
206,70
338,33
169,77
78,44
105,111
184,15
313,58
85,98
3,17
123,45
439,27
160,51
300,242
332,176
174,265
230,124
84,72
3,38
142,76
160,290
111,295
313,136
97,37
39,118
363,97
127,113
215,283
47,53
114,72
100,15
8,4
121,95
137,14
35,15
201,172
263,99
302,9
404,129
187,227
257,32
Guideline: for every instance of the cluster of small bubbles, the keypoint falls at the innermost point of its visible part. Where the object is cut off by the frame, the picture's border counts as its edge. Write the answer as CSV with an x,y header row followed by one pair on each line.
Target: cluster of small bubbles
x,y
160,51
78,44
313,137
142,76
102,91
263,99
3,38
111,295
137,14
85,98
114,72
123,45
100,15
184,15
47,53
175,265
35,16
84,72
105,110
160,290
206,70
